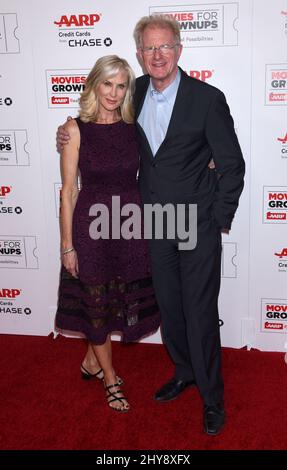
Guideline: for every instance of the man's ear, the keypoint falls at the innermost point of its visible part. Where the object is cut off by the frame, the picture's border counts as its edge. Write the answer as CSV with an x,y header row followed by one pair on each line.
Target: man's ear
x,y
139,55
180,50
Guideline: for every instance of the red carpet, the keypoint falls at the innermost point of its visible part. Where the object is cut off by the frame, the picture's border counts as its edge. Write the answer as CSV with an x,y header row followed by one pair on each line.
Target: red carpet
x,y
46,405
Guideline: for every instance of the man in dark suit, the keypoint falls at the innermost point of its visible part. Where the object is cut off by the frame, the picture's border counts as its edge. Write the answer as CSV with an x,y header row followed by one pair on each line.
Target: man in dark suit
x,y
183,124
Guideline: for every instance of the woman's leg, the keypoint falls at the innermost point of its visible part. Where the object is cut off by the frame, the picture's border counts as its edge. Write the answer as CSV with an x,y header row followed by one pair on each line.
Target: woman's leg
x,y
90,366
91,363
115,396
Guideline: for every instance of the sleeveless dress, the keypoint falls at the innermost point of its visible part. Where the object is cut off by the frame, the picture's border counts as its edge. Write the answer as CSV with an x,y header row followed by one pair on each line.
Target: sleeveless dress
x,y
113,292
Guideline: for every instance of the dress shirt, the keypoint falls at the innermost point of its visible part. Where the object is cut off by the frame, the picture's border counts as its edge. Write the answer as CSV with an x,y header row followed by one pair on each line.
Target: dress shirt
x,y
156,112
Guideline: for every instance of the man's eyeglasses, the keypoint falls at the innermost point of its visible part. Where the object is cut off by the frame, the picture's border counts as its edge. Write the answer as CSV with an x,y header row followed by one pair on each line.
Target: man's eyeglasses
x,y
163,49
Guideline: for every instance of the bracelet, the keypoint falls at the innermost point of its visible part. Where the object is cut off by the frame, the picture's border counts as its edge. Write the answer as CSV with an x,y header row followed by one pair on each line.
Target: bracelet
x,y
67,250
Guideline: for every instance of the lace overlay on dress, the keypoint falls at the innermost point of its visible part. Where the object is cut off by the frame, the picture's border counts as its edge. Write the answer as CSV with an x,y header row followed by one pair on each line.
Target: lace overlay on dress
x,y
114,290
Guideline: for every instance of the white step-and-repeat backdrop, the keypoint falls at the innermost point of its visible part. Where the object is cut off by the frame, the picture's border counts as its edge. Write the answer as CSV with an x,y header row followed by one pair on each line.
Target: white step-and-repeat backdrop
x,y
46,51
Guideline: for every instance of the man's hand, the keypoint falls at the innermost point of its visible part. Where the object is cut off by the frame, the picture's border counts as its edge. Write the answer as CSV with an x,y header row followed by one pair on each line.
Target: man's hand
x,y
62,137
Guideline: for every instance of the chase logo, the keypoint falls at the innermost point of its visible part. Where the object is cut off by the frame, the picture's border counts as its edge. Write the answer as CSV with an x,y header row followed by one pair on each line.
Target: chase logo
x,y
9,302
5,101
7,207
81,30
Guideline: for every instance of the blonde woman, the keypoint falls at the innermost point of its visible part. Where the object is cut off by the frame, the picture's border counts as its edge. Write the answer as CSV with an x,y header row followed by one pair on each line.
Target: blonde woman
x,y
105,283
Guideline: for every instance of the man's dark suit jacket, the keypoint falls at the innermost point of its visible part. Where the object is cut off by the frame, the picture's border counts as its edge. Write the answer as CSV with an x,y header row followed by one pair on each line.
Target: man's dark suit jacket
x,y
200,128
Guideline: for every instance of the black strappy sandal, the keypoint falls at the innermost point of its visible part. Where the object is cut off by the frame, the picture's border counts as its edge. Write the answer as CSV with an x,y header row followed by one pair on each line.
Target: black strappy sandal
x,y
86,375
116,396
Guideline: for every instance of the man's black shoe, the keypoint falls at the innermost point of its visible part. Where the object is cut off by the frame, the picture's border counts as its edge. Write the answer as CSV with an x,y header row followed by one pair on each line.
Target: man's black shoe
x,y
214,418
172,389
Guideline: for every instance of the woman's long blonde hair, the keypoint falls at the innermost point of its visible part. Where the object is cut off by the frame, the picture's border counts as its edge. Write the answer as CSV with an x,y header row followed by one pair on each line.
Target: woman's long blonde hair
x,y
106,67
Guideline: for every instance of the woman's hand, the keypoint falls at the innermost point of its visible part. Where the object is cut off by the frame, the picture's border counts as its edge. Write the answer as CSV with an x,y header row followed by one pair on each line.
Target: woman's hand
x,y
70,263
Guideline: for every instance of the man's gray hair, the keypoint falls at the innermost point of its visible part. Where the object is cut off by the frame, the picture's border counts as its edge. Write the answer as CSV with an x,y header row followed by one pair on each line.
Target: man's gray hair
x,y
156,21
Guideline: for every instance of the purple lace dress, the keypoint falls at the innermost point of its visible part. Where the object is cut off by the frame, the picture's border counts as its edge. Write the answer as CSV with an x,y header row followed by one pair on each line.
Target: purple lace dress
x,y
114,290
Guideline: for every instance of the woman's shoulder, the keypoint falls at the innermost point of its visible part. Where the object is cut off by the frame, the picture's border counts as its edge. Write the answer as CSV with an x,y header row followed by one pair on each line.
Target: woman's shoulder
x,y
72,126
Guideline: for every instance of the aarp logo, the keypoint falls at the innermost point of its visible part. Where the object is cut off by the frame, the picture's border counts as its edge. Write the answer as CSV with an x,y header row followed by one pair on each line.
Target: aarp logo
x,y
81,30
